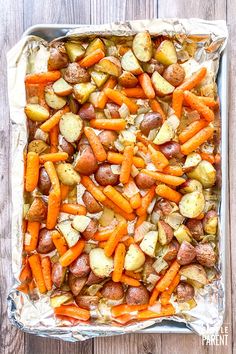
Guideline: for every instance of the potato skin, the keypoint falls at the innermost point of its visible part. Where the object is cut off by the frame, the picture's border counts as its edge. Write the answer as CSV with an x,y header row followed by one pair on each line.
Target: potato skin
x,y
137,295
210,222
86,164
58,59
107,138
171,149
87,112
148,268
80,267
93,279
127,79
164,206
90,203
150,121
165,232
67,147
45,243
144,181
90,230
172,250
37,210
104,175
196,228
113,109
58,274
205,254
174,74
76,284
186,253
112,290
74,74
184,292
67,174
87,302
44,183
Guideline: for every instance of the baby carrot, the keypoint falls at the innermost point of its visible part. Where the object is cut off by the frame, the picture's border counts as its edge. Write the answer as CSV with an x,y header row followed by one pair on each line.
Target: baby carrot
x,y
145,141
74,209
200,107
53,209
177,102
122,309
140,220
92,189
194,80
135,92
47,270
53,137
95,144
154,296
69,256
129,281
72,311
92,58
110,124
43,78
192,129
173,170
35,265
132,274
54,120
126,164
54,157
33,228
64,191
59,242
166,280
168,179
117,198
102,98
158,158
119,98
166,295
52,173
103,235
146,84
32,171
168,193
208,157
197,140
135,201
127,242
156,107
116,158
167,310
114,239
109,204
145,201
25,274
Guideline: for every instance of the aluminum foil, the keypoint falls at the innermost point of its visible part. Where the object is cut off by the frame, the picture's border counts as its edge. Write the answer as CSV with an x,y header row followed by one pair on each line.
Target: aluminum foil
x,y
30,55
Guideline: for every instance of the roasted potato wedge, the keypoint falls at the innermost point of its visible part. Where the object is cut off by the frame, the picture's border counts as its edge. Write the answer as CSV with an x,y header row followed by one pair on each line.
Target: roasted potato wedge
x,y
67,175
62,88
166,133
161,85
99,77
149,242
100,264
71,235
166,53
183,234
165,233
192,204
71,127
109,65
204,173
134,258
54,101
127,79
82,91
97,43
194,272
58,300
142,46
130,63
38,146
36,112
75,51
192,160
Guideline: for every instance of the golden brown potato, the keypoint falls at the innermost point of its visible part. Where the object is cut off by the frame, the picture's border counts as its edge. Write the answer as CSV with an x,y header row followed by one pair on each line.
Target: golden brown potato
x,y
194,272
67,175
150,121
87,112
165,233
100,264
38,146
75,74
166,53
90,203
108,138
109,65
85,162
93,279
87,302
174,74
99,78
36,112
71,127
58,58
171,251
205,254
95,44
44,182
161,85
75,51
90,230
37,210
184,292
196,228
76,284
80,267
186,253
210,222
127,79
144,181
142,46
192,204
58,274
191,185
104,175
45,243
82,91
171,149
137,295
112,290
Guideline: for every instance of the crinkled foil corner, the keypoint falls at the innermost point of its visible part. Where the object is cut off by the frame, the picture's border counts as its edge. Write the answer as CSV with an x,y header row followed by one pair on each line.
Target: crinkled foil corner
x,y
28,55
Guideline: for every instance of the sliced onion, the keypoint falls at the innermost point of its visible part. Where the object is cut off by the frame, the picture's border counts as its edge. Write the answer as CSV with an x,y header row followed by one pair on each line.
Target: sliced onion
x,y
155,308
151,167
151,206
118,145
93,289
174,220
160,264
107,113
142,230
115,169
128,136
174,121
139,119
153,279
155,217
134,171
152,134
130,189
93,97
41,135
145,157
123,111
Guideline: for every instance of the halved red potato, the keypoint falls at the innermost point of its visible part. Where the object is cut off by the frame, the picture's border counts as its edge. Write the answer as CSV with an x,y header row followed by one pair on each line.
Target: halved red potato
x,y
62,88
130,63
161,86
166,53
75,51
142,46
109,65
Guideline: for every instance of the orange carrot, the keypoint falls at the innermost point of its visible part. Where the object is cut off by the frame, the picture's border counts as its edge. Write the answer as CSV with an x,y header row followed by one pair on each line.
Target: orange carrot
x,y
168,179
116,158
140,220
135,201
64,191
23,288
69,256
158,158
126,164
135,92
132,274
124,319
102,244
173,170
119,259
25,274
168,193
32,171
209,101
200,107
35,265
154,296
52,173
102,98
54,157
117,198
166,295
114,239
177,102
129,281
197,140
122,309
72,311
109,204
142,147
110,124
92,58
119,99
103,235
31,241
53,136
54,120
47,272
74,209
166,280
59,242
145,141
92,189
43,78
167,310
208,157
95,144
53,209
194,80
146,200
146,84
156,107
192,129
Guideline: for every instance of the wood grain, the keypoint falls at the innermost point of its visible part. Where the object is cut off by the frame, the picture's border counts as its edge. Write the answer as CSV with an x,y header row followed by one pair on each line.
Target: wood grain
x,y
15,17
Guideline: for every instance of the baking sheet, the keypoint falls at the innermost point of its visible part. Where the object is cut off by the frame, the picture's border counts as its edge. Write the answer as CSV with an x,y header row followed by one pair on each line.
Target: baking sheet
x,y
218,31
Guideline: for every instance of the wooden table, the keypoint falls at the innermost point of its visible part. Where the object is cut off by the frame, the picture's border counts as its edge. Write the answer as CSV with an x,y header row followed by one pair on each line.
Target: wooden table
x,y
15,17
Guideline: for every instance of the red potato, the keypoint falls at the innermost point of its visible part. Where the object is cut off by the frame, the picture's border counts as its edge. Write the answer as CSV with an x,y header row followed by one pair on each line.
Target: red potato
x,y
58,274
108,138
137,295
210,222
174,74
44,183
104,175
144,181
205,254
58,59
85,163
73,104
191,185
87,302
45,243
164,206
74,74
93,279
38,146
153,65
112,290
68,148
150,121
90,230
186,253
87,112
165,233
113,109
76,284
196,228
80,267
171,149
109,65
37,210
171,251
184,292
148,268
127,79
90,203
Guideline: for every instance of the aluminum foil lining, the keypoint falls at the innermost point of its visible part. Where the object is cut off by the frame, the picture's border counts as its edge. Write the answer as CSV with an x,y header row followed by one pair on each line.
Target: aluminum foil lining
x,y
30,55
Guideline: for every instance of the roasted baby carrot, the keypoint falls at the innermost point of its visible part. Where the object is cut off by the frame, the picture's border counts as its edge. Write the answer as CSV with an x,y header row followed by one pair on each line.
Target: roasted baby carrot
x,y
92,58
35,265
117,198
116,158
140,220
54,157
53,137
135,201
102,98
168,179
126,164
122,309
168,193
109,204
95,144
177,102
31,236
119,259
53,209
146,84
72,311
110,124
59,242
197,140
208,157
26,273
173,170
145,201
52,173
74,209
158,158
135,92
154,295
200,107
119,98
167,310
43,78
156,107
54,120
92,189
129,281
166,280
64,191
194,80
166,295
103,235
32,171
114,239
192,129
47,272
69,256
132,274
